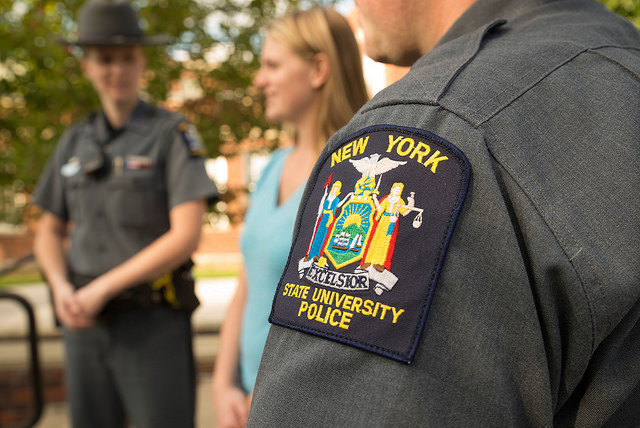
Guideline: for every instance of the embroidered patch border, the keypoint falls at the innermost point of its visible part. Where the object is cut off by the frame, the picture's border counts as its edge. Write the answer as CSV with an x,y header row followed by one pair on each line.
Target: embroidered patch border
x,y
359,272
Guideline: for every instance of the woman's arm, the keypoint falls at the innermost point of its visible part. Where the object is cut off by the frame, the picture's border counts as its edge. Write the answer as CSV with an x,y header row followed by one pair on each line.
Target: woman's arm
x,y
230,402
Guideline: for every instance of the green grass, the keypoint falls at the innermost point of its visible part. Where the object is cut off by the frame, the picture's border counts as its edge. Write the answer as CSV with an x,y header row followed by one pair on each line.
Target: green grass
x,y
215,271
28,273
11,280
25,274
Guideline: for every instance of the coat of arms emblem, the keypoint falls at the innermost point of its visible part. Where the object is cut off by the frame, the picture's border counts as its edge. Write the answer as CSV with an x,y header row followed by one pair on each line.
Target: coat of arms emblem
x,y
359,228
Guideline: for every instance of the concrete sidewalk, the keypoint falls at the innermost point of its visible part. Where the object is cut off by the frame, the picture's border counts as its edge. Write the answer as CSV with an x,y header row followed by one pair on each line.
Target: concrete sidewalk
x,y
214,295
55,414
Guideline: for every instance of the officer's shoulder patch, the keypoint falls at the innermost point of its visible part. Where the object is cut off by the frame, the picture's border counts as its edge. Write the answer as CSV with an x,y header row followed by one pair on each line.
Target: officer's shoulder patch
x,y
372,238
192,139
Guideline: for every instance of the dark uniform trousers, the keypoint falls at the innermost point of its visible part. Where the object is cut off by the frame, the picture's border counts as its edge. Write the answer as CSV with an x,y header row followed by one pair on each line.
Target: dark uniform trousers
x,y
135,351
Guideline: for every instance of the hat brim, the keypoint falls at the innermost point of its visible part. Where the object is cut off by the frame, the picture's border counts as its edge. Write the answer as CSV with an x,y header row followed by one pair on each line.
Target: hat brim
x,y
161,39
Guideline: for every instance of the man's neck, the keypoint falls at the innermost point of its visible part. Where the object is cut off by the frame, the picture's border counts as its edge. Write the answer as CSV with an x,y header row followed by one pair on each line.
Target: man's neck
x,y
441,16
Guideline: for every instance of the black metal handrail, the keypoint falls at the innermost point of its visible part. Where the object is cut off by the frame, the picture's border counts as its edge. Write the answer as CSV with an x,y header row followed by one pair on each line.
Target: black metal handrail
x,y
36,376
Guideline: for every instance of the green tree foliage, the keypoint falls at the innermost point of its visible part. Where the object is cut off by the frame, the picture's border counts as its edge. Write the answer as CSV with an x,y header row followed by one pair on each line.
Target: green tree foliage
x,y
630,9
214,55
42,90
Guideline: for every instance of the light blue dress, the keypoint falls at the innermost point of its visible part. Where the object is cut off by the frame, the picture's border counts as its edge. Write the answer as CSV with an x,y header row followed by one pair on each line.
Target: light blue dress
x,y
265,244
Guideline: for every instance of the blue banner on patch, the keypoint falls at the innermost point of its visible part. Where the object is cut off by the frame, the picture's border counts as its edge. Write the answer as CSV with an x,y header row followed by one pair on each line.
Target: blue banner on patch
x,y
372,238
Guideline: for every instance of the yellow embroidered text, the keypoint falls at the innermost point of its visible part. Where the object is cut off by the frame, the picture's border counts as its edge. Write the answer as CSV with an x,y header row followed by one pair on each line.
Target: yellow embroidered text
x,y
405,146
354,148
337,309
327,315
294,290
356,304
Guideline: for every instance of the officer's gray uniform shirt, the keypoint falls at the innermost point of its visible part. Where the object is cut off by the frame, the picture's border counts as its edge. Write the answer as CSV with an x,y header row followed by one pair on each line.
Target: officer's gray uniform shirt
x,y
116,189
534,317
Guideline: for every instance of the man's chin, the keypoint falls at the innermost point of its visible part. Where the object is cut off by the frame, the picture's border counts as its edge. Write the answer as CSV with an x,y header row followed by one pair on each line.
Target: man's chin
x,y
394,58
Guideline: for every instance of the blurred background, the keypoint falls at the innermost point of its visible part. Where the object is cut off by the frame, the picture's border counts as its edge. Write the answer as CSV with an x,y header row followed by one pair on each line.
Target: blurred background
x,y
206,74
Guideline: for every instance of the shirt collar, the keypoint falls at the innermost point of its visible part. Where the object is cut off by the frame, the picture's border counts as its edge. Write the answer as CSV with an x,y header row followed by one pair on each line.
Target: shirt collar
x,y
135,123
484,12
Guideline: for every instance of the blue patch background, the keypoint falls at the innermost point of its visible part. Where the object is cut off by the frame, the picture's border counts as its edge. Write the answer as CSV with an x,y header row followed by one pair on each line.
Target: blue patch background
x,y
419,253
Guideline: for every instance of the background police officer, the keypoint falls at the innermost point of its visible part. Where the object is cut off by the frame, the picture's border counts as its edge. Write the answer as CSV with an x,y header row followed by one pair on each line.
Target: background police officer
x,y
129,184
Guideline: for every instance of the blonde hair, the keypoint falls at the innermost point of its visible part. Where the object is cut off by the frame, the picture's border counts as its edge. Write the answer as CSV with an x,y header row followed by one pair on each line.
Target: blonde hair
x,y
323,30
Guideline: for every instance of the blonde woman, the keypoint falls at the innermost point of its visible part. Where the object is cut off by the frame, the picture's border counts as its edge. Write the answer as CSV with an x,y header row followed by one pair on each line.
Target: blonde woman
x,y
311,77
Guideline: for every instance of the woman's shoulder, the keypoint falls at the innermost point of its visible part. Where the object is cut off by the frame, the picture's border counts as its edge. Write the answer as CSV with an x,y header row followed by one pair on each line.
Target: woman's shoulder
x,y
280,154
276,159
273,166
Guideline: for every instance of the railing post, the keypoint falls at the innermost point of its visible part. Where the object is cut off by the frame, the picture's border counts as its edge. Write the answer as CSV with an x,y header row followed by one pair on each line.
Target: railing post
x,y
36,376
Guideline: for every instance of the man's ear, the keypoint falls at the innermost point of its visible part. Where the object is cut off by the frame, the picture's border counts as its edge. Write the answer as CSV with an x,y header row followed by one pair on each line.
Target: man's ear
x,y
320,70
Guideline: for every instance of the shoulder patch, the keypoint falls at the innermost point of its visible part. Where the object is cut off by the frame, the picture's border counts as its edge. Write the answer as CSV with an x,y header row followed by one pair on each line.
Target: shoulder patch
x,y
371,240
192,139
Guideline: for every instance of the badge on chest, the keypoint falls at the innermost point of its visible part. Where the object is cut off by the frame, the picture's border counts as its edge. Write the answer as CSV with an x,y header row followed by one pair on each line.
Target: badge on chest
x,y
372,239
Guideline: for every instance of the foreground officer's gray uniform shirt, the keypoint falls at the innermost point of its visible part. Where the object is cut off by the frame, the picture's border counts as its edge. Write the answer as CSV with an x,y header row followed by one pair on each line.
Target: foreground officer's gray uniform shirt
x,y
533,319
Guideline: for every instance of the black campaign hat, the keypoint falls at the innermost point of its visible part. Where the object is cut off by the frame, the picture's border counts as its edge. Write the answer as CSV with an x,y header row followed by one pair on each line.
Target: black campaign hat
x,y
111,23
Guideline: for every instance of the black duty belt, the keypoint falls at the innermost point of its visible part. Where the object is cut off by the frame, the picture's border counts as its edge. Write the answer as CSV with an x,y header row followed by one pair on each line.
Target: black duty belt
x,y
175,289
